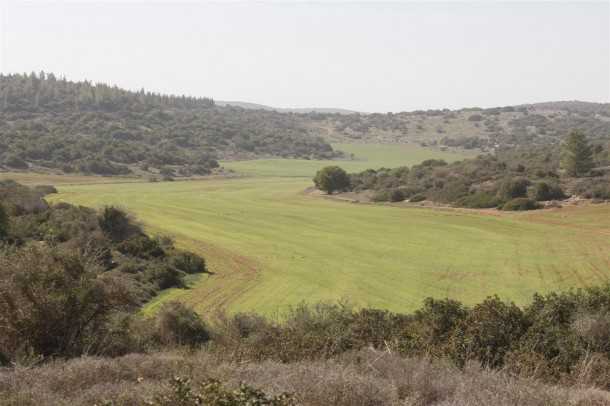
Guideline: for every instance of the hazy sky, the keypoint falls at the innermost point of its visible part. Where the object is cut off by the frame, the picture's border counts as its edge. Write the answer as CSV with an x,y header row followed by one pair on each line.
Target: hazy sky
x,y
362,56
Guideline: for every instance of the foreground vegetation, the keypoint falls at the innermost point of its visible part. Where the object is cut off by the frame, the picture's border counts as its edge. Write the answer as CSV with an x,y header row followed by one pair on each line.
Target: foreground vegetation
x,y
364,378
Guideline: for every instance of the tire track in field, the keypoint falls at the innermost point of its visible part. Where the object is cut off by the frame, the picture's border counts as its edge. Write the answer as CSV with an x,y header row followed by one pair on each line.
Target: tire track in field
x,y
231,276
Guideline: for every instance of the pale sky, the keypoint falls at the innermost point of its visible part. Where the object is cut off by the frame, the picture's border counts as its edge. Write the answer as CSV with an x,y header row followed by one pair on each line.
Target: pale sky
x,y
373,57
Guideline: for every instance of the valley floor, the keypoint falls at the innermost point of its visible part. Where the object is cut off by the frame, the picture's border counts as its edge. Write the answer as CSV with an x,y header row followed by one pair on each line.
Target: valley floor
x,y
269,245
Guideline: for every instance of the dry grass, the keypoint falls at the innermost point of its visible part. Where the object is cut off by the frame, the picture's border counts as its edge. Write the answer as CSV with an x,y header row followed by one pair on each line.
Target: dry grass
x,y
364,378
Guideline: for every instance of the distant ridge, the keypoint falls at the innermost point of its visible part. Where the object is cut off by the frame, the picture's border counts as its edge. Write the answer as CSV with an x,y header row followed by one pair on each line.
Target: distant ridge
x,y
255,106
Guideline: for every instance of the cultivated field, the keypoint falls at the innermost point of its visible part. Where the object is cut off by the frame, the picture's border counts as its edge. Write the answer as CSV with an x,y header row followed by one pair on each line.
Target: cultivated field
x,y
270,245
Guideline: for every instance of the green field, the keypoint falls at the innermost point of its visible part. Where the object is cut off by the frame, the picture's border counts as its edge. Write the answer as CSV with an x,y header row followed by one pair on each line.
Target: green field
x,y
366,156
270,245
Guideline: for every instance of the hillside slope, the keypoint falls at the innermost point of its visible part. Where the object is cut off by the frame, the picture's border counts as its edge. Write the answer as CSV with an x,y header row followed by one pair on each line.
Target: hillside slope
x,y
79,126
471,128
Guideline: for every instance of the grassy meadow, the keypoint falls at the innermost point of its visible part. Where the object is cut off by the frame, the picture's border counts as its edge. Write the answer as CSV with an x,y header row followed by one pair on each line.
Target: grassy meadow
x,y
270,245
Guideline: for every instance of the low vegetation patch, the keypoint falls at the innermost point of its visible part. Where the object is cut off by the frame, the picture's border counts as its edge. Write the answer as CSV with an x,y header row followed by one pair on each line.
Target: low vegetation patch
x,y
514,180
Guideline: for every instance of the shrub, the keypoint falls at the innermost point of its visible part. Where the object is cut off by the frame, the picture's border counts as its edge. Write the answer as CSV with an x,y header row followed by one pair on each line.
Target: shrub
x,y
479,200
520,204
179,325
544,191
396,195
115,223
419,197
13,161
490,331
164,276
513,188
55,303
188,262
331,179
593,188
141,246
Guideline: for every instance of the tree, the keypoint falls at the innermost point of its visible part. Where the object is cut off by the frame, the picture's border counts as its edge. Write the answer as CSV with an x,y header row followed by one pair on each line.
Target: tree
x,y
576,155
331,179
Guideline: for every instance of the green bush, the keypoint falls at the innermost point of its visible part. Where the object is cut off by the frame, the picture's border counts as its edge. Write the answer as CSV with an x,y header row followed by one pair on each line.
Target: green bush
x,y
419,197
520,204
179,325
13,161
479,200
490,331
332,179
141,246
396,195
513,188
115,223
544,191
188,262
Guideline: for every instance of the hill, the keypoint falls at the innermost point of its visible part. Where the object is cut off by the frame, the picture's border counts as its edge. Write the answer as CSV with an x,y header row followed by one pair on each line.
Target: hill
x,y
95,128
469,128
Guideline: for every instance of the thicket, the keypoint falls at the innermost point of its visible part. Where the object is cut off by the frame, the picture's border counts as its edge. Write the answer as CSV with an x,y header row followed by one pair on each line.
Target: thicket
x,y
68,273
513,179
95,128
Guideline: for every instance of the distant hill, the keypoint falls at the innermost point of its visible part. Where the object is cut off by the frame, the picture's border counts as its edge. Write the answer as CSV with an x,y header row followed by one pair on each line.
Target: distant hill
x,y
469,128
254,106
51,122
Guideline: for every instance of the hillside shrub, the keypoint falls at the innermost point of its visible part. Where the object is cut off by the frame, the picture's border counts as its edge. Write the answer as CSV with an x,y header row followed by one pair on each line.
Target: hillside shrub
x,y
491,329
419,197
115,223
544,191
188,262
397,195
513,188
479,200
179,325
141,246
520,204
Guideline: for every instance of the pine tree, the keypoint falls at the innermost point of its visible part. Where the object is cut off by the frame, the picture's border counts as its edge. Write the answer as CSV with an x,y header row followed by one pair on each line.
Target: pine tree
x,y
576,155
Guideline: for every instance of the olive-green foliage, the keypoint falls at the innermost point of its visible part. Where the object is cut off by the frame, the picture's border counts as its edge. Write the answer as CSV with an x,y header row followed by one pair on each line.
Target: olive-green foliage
x,y
593,188
482,182
543,191
479,200
576,155
115,223
512,188
520,204
55,302
179,325
188,262
65,273
332,179
491,329
552,337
